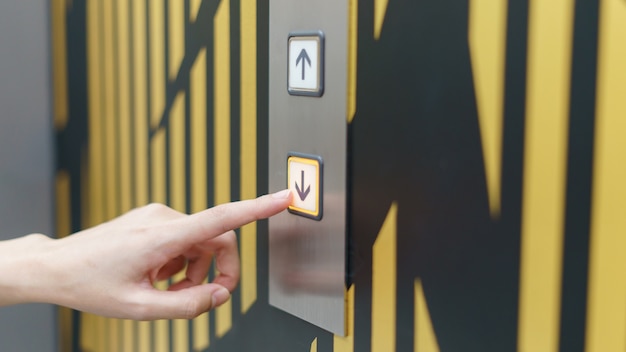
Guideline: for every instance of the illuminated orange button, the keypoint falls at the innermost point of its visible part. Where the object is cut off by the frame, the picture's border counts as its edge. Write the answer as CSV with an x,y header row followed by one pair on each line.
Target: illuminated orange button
x,y
304,179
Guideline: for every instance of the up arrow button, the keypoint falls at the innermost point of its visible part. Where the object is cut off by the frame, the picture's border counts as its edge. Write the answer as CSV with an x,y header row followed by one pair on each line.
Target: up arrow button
x,y
304,178
306,64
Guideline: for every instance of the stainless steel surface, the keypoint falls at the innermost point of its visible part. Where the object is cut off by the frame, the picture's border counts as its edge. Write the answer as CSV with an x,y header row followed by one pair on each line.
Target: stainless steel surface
x,y
307,257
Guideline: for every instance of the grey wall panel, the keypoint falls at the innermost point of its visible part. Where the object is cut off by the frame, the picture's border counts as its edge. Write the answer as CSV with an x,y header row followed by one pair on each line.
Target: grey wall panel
x,y
26,156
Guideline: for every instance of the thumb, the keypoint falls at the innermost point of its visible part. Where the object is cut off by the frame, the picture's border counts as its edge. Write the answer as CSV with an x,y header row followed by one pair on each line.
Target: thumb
x,y
187,303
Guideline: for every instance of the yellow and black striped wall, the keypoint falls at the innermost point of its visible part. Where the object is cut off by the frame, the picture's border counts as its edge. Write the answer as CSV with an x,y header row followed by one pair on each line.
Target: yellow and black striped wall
x,y
487,159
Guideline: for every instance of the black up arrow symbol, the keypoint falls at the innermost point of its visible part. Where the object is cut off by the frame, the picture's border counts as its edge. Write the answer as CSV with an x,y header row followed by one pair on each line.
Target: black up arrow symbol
x,y
302,194
303,57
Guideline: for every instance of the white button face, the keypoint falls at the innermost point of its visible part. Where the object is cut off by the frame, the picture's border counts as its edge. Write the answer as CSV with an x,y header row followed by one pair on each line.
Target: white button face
x,y
305,65
304,181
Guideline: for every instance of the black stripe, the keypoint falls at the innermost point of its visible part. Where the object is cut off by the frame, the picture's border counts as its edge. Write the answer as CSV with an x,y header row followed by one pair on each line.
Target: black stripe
x,y
579,176
362,271
77,128
235,127
133,141
204,27
170,95
103,143
188,159
262,108
513,127
150,179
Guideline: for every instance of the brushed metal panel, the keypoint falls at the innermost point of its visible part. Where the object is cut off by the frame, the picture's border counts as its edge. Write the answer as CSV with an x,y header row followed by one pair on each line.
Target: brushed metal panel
x,y
307,258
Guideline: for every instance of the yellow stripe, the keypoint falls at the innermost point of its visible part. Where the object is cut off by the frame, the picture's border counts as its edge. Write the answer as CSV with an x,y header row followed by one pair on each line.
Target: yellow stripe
x,y
198,133
353,36
201,332
545,153
346,344
85,184
248,148
158,166
94,335
176,16
66,331
223,315
180,327
384,286
606,315
161,333
109,112
89,329
101,340
59,62
313,345
126,327
380,10
140,101
129,335
143,336
199,169
424,338
487,39
63,204
123,95
157,61
194,6
63,228
140,115
113,335
94,70
87,335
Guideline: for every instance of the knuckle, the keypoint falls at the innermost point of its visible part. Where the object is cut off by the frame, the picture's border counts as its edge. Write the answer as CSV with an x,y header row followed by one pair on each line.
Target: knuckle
x,y
156,208
222,214
230,237
35,237
141,312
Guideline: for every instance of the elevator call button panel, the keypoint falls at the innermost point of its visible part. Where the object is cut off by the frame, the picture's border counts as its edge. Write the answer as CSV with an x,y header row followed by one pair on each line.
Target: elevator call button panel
x,y
307,85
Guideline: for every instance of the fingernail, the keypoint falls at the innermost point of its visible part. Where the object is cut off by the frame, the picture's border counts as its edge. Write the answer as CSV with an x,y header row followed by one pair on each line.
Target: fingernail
x,y
281,194
220,297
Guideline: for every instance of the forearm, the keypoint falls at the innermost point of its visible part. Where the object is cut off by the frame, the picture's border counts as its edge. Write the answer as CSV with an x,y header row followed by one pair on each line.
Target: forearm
x,y
22,269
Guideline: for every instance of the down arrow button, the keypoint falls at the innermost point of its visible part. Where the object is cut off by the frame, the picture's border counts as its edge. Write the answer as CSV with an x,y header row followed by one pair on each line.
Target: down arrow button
x,y
305,180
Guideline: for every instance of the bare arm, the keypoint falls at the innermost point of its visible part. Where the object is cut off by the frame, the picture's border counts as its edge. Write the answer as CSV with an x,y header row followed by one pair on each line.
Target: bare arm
x,y
111,269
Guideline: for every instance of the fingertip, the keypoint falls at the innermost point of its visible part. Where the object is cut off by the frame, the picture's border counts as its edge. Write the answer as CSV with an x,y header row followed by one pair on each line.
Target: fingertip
x,y
282,198
220,297
282,195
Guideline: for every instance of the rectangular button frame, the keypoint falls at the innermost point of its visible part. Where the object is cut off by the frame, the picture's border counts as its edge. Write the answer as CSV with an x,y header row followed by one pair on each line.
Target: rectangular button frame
x,y
318,191
318,90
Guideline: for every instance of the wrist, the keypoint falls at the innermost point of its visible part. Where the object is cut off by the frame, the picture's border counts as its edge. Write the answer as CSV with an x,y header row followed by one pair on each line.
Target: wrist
x,y
23,266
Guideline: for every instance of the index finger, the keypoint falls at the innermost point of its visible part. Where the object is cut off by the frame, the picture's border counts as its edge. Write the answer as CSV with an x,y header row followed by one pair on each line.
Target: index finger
x,y
220,219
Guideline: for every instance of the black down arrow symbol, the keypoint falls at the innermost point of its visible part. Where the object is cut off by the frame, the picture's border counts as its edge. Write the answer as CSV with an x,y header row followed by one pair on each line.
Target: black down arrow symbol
x,y
302,194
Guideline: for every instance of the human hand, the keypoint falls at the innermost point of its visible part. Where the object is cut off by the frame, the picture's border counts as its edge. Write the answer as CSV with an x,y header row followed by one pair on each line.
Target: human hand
x,y
110,269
